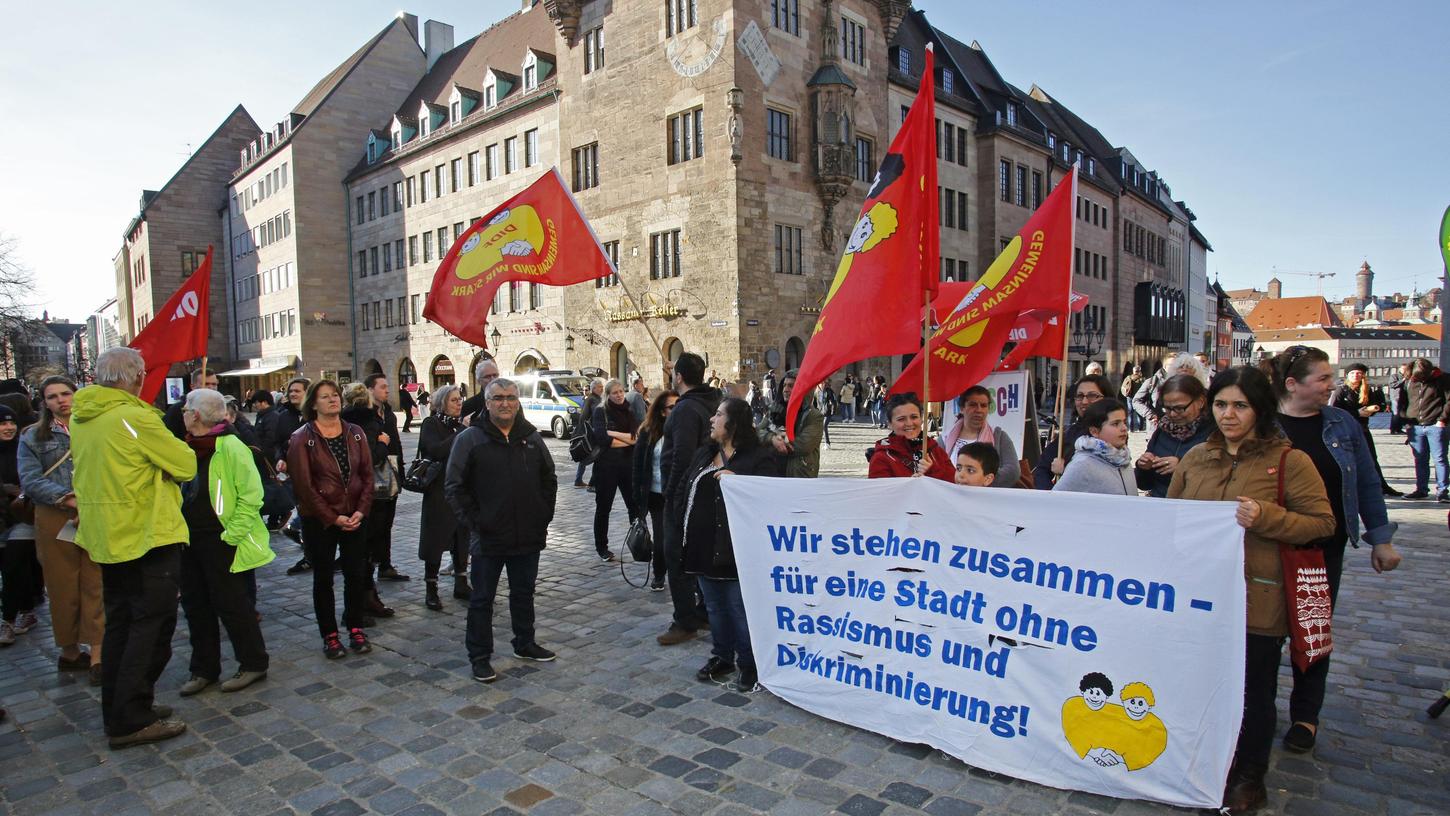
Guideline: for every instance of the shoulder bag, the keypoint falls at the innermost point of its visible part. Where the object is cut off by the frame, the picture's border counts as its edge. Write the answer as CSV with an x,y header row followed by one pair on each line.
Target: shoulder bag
x,y
1306,594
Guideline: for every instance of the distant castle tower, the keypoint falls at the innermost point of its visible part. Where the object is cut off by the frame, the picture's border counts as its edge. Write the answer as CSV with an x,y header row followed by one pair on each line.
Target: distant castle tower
x,y
1364,284
1276,288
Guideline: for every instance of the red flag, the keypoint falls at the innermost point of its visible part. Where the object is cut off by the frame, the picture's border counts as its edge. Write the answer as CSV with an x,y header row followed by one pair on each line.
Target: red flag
x,y
875,303
179,330
539,236
1034,272
1040,333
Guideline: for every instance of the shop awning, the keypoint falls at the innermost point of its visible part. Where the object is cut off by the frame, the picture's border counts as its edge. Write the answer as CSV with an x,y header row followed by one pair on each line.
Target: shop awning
x,y
266,368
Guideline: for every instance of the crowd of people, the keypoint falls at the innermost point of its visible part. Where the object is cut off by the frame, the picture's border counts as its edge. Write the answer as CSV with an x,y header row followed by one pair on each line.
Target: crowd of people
x,y
122,511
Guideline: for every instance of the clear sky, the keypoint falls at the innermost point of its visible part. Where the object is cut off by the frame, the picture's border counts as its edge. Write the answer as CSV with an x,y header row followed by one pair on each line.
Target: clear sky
x,y
1307,136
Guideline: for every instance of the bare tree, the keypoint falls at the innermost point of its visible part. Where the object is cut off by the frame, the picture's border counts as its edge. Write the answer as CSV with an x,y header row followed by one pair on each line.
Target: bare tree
x,y
17,285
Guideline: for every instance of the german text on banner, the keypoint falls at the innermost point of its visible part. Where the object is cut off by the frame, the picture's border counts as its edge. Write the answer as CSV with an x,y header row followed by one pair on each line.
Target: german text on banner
x,y
1033,273
1085,642
179,330
539,236
875,303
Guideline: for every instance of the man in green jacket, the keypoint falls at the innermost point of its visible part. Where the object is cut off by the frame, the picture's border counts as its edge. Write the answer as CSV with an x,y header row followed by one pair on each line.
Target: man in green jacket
x,y
802,457
127,468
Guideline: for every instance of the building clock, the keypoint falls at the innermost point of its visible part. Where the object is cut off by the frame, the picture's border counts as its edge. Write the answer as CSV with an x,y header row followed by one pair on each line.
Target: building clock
x,y
689,52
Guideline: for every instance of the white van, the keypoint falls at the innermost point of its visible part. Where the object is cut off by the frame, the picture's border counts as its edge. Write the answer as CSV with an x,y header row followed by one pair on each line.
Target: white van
x,y
551,399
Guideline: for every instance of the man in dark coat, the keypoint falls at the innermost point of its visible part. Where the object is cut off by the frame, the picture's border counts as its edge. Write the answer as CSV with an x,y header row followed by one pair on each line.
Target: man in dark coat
x,y
687,428
380,521
501,483
200,378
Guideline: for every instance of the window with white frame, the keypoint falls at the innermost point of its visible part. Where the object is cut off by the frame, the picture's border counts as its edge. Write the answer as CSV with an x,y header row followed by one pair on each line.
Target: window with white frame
x,y
490,164
853,41
473,168
593,49
586,167
510,154
531,147
785,15
686,135
664,255
679,15
531,72
789,250
611,248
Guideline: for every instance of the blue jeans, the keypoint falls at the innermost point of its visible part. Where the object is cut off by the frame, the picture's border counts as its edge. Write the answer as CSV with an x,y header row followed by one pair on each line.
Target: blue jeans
x,y
728,628
1427,441
523,573
849,410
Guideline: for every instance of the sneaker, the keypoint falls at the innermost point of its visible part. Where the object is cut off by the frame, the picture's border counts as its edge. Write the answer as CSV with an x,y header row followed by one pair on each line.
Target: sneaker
x,y
80,663
675,635
483,671
1300,738
357,640
26,622
391,574
241,680
7,634
534,652
195,685
155,732
1418,494
446,571
300,567
294,532
657,584
332,647
747,683
580,485
715,670
1444,497
607,556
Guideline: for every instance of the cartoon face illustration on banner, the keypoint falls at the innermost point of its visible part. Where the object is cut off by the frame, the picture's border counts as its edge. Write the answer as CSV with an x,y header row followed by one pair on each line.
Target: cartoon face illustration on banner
x,y
875,226
1111,735
512,234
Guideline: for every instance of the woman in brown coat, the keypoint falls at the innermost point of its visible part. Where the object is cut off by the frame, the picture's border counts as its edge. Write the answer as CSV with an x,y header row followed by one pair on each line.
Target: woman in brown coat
x,y
1244,460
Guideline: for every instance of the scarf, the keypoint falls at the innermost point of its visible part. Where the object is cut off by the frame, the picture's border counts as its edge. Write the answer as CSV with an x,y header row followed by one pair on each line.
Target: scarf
x,y
619,417
1178,429
1091,445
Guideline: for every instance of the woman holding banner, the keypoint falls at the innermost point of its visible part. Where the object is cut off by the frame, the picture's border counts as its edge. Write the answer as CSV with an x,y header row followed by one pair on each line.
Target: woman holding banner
x,y
1099,461
1181,428
709,553
1281,501
909,451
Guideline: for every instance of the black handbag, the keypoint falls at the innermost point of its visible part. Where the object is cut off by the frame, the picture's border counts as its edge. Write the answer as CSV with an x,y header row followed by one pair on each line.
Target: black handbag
x,y
637,540
421,475
581,442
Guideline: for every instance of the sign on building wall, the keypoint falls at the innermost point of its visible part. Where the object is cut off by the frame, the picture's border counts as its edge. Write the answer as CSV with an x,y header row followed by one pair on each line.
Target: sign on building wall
x,y
753,45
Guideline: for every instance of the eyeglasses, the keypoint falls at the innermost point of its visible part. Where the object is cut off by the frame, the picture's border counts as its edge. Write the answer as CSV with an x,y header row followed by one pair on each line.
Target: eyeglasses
x,y
1177,409
1090,397
504,398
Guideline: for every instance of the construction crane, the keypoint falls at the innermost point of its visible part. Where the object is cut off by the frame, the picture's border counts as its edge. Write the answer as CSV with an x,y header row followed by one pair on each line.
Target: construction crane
x,y
1320,275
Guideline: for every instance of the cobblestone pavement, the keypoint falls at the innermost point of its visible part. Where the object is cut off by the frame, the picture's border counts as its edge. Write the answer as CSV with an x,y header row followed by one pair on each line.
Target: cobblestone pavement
x,y
619,726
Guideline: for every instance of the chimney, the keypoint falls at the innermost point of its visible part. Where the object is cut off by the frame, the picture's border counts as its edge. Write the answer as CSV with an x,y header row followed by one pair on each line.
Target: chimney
x,y
437,39
411,22
1276,289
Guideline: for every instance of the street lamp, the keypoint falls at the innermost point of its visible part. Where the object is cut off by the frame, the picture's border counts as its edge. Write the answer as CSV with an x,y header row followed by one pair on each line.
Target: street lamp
x,y
1088,337
568,342
494,336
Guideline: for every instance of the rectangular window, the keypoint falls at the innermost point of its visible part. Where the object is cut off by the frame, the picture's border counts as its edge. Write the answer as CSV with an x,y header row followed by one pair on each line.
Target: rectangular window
x,y
473,168
510,154
515,296
664,255
362,317
948,269
360,210
947,80
457,229
593,49
443,242
786,16
778,135
455,175
531,147
286,223
388,304
789,258
384,198
686,135
427,247
490,165
440,185
1021,186
536,296
865,160
1036,189
586,167
947,206
373,259
413,309
948,142
412,250
962,146
679,15
411,186
1004,180
398,253
611,248
853,41
425,182
387,250
372,205
377,314
362,263
962,211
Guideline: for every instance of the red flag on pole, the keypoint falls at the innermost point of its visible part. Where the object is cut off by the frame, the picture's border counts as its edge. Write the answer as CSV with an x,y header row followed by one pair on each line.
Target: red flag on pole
x,y
1033,273
874,305
1039,333
539,236
178,331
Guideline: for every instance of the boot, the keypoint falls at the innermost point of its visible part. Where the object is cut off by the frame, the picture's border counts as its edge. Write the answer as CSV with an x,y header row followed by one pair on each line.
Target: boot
x,y
375,606
461,590
1245,791
430,599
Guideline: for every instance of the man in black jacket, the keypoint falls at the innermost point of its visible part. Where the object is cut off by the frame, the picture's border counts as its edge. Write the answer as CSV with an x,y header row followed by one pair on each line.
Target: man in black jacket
x,y
501,483
288,420
380,520
687,428
484,373
1429,392
200,378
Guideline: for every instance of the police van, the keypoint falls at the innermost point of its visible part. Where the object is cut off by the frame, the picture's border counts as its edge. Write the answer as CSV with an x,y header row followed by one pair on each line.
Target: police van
x,y
551,399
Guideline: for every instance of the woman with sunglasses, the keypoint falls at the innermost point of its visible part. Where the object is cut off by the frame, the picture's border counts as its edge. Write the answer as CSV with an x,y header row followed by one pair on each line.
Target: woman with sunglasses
x,y
1182,426
648,483
1088,389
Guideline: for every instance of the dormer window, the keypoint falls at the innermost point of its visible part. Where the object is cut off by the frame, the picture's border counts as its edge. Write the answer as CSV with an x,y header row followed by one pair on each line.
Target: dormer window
x,y
424,123
455,111
1012,113
531,72
1092,166
903,60
488,97
1066,150
372,149
947,80
1051,140
490,90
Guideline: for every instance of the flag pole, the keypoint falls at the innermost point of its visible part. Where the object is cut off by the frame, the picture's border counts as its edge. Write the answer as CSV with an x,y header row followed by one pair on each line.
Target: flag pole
x,y
639,310
925,368
1066,338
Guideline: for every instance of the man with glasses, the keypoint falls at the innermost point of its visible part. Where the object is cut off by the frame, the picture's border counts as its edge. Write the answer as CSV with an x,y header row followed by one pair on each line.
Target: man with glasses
x,y
484,373
501,483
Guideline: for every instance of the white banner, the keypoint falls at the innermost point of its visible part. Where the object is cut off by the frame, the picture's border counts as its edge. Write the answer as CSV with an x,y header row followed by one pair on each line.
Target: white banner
x,y
1085,642
1009,405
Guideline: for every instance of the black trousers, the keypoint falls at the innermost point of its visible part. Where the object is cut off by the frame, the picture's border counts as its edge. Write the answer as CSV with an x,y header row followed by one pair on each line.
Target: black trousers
x,y
657,534
19,569
140,601
523,573
457,550
611,475
379,530
1261,685
689,605
323,547
1307,698
211,594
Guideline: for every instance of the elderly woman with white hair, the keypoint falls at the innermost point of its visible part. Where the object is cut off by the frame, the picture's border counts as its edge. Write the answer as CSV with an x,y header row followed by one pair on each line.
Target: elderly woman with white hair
x,y
222,507
439,531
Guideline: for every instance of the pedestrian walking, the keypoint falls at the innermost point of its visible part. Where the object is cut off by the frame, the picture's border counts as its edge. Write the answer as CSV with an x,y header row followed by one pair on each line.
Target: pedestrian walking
x,y
408,406
332,473
1399,399
72,579
1183,426
802,455
1281,502
438,529
909,450
1129,387
1100,462
501,484
1088,389
380,520
1302,380
686,430
638,397
228,539
972,426
17,561
709,554
1429,394
613,427
127,468
826,403
649,481
848,399
1362,401
878,401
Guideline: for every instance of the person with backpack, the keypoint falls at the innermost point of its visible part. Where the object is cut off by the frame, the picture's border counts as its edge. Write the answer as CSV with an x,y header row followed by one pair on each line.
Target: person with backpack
x,y
686,430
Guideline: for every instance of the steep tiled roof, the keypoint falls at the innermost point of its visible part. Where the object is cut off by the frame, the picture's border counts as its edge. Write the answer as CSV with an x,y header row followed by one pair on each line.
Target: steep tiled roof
x,y
501,46
327,84
1292,312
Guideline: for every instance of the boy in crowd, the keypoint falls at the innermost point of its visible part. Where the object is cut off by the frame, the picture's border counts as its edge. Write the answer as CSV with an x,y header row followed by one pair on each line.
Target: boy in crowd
x,y
977,465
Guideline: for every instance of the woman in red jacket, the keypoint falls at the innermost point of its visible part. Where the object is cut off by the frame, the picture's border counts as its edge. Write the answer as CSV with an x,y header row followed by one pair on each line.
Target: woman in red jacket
x,y
332,475
908,451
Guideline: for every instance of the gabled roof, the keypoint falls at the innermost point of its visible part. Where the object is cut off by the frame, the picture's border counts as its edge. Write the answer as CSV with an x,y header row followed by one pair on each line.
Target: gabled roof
x,y
987,84
149,196
1292,312
1417,332
830,74
329,83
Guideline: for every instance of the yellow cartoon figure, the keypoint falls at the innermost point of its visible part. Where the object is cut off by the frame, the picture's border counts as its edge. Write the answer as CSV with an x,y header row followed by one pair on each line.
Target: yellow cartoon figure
x,y
1109,734
514,232
876,225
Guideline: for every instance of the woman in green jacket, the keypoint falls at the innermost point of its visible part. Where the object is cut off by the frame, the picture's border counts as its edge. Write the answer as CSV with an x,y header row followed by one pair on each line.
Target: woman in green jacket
x,y
222,507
